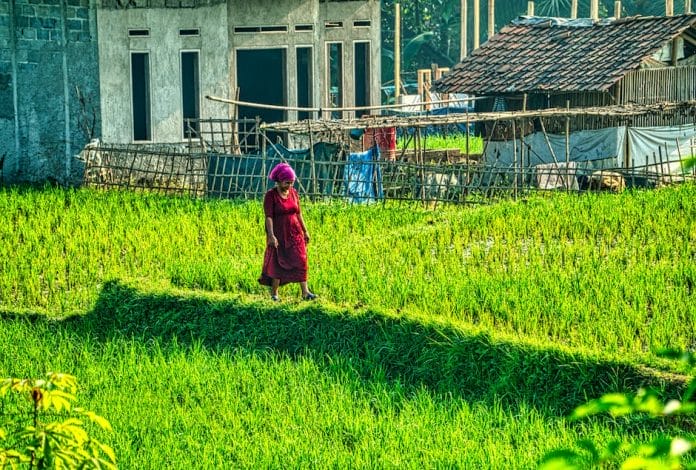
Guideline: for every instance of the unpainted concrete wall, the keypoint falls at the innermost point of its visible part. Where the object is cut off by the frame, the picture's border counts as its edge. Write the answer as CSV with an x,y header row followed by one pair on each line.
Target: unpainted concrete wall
x,y
309,12
48,51
164,45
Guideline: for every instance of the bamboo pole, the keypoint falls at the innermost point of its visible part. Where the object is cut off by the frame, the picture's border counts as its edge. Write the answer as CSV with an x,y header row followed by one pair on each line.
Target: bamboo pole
x,y
514,158
464,29
477,24
574,9
567,142
397,52
491,18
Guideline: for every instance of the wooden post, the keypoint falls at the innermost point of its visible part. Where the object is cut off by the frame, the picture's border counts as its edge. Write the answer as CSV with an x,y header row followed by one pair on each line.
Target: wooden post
x,y
477,24
530,8
574,9
464,29
491,18
514,157
687,6
594,9
567,141
669,7
312,161
617,9
397,52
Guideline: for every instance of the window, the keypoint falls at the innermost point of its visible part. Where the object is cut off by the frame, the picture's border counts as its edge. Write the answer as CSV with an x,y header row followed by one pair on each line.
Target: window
x,y
139,33
334,53
140,94
190,32
261,29
304,80
190,93
362,76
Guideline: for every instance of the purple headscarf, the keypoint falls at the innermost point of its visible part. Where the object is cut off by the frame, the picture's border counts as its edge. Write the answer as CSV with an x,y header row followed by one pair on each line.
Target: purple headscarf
x,y
282,172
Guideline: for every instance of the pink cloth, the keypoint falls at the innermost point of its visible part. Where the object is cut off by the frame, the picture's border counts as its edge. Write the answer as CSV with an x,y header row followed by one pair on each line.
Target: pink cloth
x,y
282,172
288,262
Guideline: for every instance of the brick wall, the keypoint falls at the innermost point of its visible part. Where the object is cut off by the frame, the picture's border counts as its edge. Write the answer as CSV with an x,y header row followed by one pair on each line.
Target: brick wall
x,y
48,51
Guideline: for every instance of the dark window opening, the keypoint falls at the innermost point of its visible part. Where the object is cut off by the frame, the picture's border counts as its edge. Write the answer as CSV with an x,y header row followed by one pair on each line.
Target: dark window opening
x,y
138,33
362,77
140,89
190,93
261,78
304,81
335,79
333,24
261,29
190,32
362,24
304,27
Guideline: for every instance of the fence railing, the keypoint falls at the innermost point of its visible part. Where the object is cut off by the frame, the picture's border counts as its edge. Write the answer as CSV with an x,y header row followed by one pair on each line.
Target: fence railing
x,y
329,172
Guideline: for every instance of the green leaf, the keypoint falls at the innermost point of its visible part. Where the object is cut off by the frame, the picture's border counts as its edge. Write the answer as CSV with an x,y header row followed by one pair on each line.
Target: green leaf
x,y
563,459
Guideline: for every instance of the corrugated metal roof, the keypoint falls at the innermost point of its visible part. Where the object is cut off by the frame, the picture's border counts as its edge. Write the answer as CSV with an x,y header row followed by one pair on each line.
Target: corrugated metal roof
x,y
548,54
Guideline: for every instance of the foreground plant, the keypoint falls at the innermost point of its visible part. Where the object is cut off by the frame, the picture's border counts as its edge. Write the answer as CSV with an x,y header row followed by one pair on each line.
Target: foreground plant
x,y
666,453
27,441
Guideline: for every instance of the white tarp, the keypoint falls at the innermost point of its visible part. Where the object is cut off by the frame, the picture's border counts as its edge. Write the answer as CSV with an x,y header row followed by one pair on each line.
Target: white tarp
x,y
656,146
602,148
585,146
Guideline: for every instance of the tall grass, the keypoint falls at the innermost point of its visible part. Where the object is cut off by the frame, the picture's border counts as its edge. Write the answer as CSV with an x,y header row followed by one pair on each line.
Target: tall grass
x,y
450,338
459,141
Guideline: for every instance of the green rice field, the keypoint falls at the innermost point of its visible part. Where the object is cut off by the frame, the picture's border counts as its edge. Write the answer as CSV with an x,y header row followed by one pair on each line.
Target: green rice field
x,y
460,337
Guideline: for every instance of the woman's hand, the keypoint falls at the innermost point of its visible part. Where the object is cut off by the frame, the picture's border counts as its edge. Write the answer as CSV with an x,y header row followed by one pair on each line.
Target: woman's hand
x,y
272,241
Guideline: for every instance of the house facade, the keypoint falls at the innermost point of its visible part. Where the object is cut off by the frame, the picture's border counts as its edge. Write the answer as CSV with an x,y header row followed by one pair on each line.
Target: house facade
x,y
137,71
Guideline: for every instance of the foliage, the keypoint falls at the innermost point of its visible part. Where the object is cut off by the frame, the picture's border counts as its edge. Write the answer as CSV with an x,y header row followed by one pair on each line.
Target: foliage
x,y
660,453
433,334
59,444
450,141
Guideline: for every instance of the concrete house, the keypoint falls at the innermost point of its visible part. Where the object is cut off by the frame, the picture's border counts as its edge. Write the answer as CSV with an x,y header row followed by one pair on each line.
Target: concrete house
x,y
133,71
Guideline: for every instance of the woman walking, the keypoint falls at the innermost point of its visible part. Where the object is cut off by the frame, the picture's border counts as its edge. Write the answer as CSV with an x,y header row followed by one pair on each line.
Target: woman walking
x,y
285,260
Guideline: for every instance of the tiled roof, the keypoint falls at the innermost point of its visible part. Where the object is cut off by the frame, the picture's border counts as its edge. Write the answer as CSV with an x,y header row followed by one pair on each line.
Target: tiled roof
x,y
547,54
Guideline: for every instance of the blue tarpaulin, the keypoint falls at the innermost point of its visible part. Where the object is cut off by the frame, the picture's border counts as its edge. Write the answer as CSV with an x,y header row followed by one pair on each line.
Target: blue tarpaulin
x,y
363,177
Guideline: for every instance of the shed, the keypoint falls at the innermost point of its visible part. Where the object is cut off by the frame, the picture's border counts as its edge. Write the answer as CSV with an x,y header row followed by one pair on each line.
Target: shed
x,y
551,62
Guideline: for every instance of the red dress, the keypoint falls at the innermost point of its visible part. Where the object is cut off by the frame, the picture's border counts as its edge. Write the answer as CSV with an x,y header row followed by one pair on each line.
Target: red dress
x,y
288,262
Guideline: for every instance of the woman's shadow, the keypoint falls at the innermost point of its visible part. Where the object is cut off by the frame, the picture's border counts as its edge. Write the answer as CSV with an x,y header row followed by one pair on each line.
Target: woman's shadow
x,y
371,345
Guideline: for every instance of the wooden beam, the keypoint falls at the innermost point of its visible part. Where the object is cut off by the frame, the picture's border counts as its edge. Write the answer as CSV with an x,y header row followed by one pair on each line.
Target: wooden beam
x,y
491,18
397,52
669,7
617,9
574,9
594,9
530,8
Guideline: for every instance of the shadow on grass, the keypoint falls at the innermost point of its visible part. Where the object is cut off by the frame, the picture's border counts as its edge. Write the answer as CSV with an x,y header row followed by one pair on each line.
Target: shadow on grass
x,y
444,360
